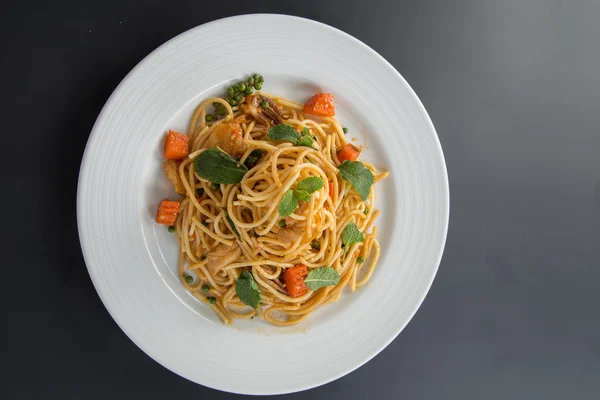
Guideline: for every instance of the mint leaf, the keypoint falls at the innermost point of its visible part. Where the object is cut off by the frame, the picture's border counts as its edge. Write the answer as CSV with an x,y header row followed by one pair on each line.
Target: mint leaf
x,y
359,176
319,277
310,184
302,195
253,158
217,166
288,204
283,132
351,235
306,141
247,290
232,226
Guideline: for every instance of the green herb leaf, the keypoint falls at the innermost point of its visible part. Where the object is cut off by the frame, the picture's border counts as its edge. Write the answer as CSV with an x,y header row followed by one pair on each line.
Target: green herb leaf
x,y
283,132
232,226
253,158
319,277
306,141
218,167
351,235
288,204
247,290
310,184
302,195
305,131
359,176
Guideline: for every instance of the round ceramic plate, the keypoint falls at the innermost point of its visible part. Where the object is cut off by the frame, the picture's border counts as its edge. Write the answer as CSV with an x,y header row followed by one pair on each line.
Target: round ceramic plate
x,y
133,261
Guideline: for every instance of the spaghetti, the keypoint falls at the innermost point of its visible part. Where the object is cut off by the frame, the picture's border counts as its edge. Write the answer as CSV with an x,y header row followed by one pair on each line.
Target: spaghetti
x,y
231,232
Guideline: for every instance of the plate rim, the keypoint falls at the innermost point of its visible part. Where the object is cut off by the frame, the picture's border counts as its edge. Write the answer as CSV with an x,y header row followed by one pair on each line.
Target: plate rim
x,y
437,148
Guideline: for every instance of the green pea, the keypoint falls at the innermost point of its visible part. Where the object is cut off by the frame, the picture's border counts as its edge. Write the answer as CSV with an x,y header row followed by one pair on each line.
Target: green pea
x,y
222,111
205,288
242,87
209,117
200,192
248,90
171,229
188,278
315,245
257,85
345,129
366,210
360,259
231,101
264,104
212,300
216,104
237,97
260,79
255,77
282,223
251,81
230,91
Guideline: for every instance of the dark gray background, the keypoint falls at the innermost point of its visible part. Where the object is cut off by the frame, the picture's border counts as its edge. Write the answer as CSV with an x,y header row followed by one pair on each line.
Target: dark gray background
x,y
513,89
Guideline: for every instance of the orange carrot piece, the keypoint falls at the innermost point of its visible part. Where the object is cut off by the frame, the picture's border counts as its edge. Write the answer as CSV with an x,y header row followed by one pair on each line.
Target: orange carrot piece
x,y
176,146
294,280
348,152
331,189
167,212
321,104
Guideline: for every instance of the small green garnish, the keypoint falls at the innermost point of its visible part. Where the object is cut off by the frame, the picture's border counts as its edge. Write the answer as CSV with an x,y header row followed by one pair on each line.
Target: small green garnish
x,y
218,167
303,190
209,117
211,300
360,259
205,288
284,132
264,104
288,204
232,226
366,211
315,244
188,278
247,290
282,223
319,277
359,176
310,184
302,195
253,158
351,235
345,130
171,229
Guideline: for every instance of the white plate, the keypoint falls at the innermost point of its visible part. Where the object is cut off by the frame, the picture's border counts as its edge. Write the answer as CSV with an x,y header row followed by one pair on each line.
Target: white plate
x,y
133,262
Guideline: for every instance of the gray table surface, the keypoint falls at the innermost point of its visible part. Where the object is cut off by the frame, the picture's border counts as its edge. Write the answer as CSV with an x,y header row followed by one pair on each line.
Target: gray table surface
x,y
513,89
